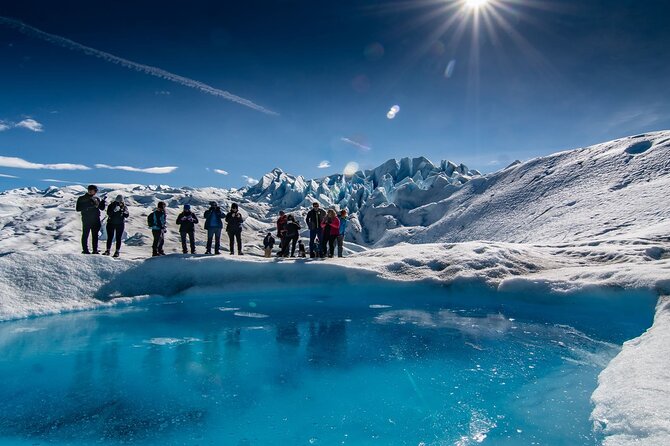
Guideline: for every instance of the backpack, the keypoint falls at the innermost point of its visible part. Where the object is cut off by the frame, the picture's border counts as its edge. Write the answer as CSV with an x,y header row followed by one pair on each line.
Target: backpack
x,y
150,220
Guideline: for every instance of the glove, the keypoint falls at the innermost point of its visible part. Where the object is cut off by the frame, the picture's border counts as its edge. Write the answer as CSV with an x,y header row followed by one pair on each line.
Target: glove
x,y
117,208
164,230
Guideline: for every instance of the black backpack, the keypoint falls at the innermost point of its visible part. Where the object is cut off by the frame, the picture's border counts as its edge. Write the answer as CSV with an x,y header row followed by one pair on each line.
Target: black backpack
x,y
150,220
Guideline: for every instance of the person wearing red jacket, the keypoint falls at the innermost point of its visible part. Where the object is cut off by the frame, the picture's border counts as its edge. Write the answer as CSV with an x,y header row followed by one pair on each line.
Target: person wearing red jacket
x,y
330,230
281,226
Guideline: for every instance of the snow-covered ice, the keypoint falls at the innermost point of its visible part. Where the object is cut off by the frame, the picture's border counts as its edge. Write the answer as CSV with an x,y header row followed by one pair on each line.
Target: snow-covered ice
x,y
590,217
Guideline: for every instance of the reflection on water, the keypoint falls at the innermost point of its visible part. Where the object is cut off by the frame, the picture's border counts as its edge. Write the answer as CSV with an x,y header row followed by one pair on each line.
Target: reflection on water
x,y
316,371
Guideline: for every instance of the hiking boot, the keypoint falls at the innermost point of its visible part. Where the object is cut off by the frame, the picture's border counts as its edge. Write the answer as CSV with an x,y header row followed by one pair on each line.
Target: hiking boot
x,y
116,254
240,253
106,253
209,253
96,252
161,253
86,252
155,254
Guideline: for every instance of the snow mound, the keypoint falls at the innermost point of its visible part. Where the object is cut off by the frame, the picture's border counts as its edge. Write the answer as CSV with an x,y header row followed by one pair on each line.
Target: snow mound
x,y
632,401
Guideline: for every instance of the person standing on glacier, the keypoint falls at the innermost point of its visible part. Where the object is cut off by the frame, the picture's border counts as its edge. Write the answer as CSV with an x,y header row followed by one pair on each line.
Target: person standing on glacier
x,y
314,219
90,206
117,212
281,226
344,221
331,231
157,222
187,221
213,226
234,228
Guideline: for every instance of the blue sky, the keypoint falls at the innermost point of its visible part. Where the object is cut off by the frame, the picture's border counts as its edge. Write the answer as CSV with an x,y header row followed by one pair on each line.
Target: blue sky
x,y
549,76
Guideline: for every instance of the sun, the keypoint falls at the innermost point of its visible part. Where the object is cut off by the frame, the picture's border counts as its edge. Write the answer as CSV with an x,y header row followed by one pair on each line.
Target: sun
x,y
476,4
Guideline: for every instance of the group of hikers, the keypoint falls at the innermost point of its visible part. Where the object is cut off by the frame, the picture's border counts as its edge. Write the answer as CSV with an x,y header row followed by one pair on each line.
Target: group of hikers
x,y
325,228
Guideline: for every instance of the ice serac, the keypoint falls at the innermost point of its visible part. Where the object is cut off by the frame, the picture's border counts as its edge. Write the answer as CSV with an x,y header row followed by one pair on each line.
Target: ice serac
x,y
375,196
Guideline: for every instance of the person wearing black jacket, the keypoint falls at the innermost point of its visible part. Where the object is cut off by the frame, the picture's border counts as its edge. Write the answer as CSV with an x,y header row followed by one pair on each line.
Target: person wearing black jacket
x,y
213,225
314,219
234,228
117,212
268,244
187,221
90,206
291,236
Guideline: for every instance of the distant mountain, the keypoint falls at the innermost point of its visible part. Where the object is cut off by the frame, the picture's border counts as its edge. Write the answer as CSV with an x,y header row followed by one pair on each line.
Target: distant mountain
x,y
614,189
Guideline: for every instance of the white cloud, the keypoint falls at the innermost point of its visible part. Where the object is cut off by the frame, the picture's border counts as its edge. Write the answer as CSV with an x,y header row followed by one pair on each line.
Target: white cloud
x,y
4,175
154,170
220,171
250,181
30,124
53,180
356,143
19,163
324,164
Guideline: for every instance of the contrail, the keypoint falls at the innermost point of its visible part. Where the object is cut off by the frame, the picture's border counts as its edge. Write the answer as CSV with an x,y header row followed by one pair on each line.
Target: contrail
x,y
153,71
356,143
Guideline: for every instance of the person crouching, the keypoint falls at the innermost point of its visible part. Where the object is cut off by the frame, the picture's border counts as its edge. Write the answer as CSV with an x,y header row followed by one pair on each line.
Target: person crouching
x,y
268,244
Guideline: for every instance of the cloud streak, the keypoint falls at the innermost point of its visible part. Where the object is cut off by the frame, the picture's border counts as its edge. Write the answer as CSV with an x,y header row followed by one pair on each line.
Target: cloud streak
x,y
220,171
4,175
153,170
323,164
146,69
356,143
20,163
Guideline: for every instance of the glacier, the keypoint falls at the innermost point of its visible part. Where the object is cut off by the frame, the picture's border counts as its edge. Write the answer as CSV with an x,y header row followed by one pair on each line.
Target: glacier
x,y
585,218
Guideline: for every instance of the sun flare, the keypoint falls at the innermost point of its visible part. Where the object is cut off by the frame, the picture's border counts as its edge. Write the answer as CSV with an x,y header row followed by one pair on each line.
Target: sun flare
x,y
476,4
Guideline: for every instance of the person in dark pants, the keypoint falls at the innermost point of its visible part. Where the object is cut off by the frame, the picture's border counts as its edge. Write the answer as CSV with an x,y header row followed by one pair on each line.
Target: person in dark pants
x,y
314,219
90,206
234,228
281,227
117,212
331,230
187,221
213,225
291,236
157,222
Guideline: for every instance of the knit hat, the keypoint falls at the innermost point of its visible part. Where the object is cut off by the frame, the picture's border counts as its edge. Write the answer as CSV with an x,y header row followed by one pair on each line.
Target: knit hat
x,y
187,207
119,198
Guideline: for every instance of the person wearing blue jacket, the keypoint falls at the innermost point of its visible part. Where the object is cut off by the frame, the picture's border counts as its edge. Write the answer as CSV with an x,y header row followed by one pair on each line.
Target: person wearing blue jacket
x,y
214,226
344,222
157,223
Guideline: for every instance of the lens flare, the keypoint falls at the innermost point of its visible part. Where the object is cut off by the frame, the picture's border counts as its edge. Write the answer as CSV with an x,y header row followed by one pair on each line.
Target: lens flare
x,y
351,168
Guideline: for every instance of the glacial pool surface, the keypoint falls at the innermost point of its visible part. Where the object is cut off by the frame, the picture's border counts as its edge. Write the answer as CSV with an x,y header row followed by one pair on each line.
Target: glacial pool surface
x,y
351,364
